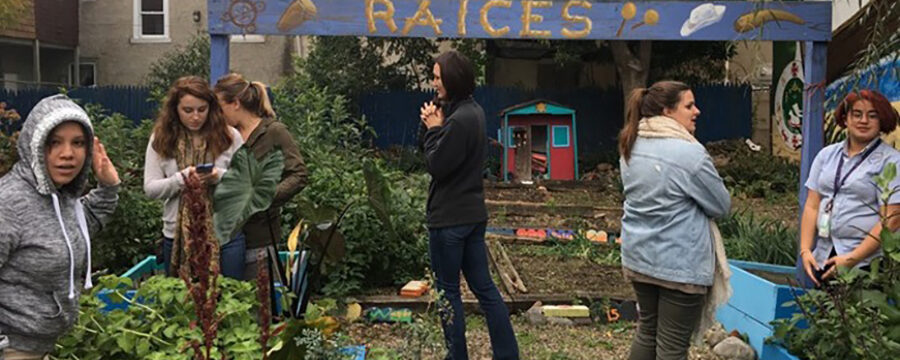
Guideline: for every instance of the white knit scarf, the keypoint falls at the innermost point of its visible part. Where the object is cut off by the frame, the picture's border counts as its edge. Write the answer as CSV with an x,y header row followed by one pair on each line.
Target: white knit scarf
x,y
666,127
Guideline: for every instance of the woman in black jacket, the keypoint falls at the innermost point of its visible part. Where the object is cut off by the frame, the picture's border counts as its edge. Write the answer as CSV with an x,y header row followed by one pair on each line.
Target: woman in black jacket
x,y
455,146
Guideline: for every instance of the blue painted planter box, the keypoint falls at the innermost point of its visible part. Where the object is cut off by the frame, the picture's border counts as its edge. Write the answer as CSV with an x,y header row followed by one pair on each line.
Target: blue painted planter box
x,y
147,268
755,302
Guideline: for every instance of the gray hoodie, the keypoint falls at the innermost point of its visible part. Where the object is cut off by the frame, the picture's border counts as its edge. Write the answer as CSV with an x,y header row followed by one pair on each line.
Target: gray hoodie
x,y
44,234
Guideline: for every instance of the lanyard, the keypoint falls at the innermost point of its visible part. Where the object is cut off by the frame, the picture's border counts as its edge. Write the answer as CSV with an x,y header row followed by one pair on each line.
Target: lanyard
x,y
837,173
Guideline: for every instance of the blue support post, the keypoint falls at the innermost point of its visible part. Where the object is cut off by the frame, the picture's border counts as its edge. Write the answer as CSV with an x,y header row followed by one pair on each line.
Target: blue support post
x,y
218,56
813,124
813,109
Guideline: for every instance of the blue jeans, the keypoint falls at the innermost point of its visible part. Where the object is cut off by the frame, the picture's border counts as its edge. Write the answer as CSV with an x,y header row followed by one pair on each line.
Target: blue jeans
x,y
458,248
231,256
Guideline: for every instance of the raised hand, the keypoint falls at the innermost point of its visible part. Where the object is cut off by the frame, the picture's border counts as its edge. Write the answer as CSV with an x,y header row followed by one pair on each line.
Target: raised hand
x,y
104,170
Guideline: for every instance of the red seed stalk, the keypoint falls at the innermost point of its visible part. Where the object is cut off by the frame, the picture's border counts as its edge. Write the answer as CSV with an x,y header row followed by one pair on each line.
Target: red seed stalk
x,y
265,314
202,273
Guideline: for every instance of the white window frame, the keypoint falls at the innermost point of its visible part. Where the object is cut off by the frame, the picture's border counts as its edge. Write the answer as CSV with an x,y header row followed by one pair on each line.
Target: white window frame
x,y
248,38
138,35
73,81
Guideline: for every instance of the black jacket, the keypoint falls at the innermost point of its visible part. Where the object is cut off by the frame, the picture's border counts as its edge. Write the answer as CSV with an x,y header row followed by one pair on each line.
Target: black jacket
x,y
454,155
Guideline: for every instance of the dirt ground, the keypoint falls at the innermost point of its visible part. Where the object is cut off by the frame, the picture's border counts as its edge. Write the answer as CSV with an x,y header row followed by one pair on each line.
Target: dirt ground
x,y
537,342
595,204
548,274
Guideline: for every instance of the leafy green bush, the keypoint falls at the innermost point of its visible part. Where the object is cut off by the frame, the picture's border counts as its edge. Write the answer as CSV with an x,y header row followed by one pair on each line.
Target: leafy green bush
x,y
378,252
762,240
855,316
756,174
161,324
192,59
137,223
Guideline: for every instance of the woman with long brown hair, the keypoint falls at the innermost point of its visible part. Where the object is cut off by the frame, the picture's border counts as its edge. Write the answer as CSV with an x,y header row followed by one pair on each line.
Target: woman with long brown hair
x,y
671,251
246,106
190,140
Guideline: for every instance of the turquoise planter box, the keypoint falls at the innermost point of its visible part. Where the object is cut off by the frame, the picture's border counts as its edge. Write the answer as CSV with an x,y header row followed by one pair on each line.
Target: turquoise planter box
x,y
147,268
755,302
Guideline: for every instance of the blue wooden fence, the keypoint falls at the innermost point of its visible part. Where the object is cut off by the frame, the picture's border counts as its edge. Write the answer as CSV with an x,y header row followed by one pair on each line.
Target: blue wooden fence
x,y
725,112
130,101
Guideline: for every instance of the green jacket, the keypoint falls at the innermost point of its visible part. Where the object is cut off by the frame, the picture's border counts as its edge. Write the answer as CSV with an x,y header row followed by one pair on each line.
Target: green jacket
x,y
271,134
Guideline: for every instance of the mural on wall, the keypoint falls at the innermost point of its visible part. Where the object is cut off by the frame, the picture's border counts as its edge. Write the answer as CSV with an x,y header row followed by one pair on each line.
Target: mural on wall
x,y
534,19
298,12
243,14
884,78
787,100
702,16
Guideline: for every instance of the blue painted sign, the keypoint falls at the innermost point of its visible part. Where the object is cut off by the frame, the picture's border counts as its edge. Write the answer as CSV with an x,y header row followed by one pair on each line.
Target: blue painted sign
x,y
532,19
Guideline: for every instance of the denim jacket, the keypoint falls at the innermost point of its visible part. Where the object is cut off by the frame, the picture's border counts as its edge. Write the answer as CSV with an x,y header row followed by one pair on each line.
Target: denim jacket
x,y
672,190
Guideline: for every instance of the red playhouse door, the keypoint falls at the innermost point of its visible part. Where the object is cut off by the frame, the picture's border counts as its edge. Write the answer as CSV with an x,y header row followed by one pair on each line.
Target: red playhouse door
x,y
562,149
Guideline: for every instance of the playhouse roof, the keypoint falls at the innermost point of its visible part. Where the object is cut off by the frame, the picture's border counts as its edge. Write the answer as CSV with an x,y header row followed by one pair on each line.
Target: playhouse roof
x,y
538,106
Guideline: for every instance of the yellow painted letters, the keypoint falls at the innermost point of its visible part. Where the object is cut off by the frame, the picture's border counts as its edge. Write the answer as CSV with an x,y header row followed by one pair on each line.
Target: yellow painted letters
x,y
484,17
528,18
461,19
423,17
588,25
387,15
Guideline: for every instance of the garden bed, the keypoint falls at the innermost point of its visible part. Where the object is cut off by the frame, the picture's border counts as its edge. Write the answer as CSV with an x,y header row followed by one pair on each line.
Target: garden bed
x,y
555,274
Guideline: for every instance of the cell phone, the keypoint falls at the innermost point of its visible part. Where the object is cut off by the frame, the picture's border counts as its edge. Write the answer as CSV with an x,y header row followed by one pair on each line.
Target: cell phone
x,y
204,168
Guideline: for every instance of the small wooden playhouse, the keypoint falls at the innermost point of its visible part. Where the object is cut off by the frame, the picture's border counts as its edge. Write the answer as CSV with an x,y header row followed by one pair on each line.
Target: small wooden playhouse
x,y
539,140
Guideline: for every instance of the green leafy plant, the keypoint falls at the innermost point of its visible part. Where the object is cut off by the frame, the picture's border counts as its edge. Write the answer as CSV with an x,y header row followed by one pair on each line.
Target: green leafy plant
x,y
158,323
754,174
751,238
136,226
191,59
248,187
383,247
855,316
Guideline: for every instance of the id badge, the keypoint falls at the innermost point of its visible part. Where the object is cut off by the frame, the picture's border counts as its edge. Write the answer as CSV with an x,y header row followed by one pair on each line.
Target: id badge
x,y
824,224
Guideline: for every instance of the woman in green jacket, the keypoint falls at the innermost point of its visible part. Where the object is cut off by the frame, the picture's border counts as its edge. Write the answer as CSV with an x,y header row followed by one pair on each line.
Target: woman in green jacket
x,y
247,108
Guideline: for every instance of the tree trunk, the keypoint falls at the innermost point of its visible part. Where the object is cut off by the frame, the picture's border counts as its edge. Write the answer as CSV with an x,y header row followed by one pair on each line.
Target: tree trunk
x,y
632,64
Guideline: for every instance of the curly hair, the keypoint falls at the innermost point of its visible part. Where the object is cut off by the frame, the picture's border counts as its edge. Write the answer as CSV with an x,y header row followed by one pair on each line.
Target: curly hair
x,y
168,128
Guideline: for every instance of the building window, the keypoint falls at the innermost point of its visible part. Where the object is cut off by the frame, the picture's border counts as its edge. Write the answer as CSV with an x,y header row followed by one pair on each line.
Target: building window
x,y
561,136
87,73
248,38
151,20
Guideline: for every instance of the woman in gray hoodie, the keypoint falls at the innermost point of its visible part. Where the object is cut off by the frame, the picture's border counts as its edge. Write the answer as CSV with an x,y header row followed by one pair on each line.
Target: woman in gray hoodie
x,y
45,226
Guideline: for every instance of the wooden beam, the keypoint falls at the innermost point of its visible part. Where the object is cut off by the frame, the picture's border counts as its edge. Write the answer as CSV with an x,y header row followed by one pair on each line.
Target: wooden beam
x,y
549,19
218,56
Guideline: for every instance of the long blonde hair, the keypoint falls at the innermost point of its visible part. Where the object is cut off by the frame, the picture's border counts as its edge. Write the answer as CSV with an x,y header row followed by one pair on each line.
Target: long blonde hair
x,y
251,94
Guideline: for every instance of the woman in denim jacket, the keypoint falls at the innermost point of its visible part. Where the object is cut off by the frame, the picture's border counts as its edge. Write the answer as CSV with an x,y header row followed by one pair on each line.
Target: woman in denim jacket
x,y
672,191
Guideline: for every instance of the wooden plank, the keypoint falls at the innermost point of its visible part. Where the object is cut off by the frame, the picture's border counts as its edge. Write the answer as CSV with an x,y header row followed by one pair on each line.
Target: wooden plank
x,y
494,258
554,19
517,282
759,298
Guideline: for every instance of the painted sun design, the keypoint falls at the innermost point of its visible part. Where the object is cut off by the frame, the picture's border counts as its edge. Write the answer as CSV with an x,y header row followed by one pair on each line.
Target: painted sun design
x,y
243,14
